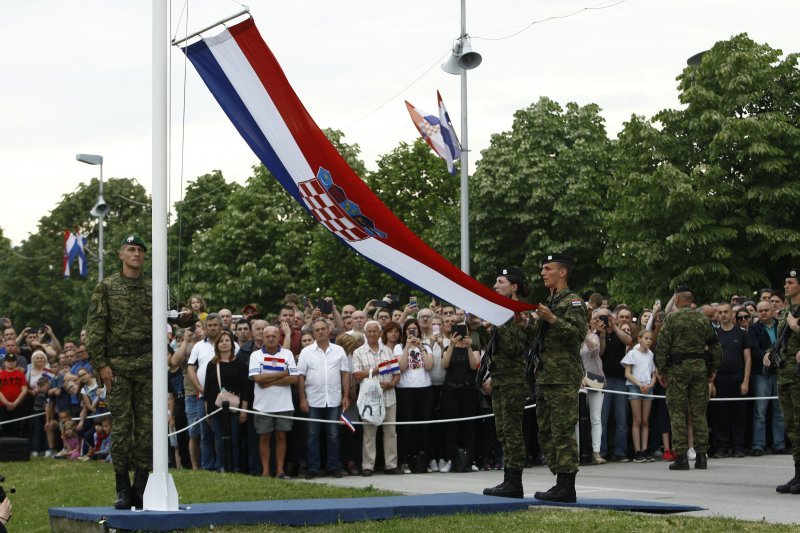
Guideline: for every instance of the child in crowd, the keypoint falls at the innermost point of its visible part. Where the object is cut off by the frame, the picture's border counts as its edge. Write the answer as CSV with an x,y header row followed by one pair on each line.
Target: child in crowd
x,y
41,404
98,440
640,375
69,436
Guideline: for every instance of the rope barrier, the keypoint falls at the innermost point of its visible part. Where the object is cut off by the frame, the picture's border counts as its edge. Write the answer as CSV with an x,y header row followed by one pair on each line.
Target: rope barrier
x,y
584,390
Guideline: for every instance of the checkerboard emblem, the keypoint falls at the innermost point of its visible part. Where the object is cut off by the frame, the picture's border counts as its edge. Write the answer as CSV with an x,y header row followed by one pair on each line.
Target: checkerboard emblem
x,y
329,213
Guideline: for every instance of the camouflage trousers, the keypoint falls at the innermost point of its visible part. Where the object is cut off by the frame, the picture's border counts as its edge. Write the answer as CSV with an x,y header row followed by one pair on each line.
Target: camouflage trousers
x,y
557,413
131,404
789,396
687,394
508,404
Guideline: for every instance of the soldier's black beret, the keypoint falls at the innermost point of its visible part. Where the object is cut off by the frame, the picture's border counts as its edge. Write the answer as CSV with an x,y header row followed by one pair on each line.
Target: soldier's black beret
x,y
133,239
512,273
792,273
683,288
556,258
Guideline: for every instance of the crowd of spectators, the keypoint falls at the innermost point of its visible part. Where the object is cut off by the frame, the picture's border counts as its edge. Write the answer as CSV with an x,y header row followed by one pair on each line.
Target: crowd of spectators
x,y
305,363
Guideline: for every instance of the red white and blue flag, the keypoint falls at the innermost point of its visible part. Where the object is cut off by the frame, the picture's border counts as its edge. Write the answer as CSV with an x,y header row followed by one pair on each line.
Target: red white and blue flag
x,y
389,367
273,363
250,86
438,132
346,421
75,248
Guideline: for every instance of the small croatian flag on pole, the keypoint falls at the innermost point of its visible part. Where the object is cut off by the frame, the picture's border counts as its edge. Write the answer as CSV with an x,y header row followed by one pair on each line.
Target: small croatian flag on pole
x,y
388,367
346,422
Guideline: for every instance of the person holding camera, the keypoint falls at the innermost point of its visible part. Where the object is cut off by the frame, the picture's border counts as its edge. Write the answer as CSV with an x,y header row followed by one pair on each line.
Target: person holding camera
x,y
5,514
414,395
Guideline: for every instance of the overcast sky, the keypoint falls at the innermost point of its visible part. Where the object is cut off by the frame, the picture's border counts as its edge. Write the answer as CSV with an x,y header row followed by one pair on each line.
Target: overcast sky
x,y
76,76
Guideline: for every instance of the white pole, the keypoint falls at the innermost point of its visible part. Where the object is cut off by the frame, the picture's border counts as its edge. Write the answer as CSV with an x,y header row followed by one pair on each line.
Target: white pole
x,y
160,494
464,153
101,217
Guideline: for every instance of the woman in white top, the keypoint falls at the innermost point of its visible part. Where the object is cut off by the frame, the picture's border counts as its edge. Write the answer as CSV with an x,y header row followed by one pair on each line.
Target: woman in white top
x,y
414,393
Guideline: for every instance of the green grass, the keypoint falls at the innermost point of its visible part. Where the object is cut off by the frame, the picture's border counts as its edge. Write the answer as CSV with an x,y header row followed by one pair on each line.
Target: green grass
x,y
44,483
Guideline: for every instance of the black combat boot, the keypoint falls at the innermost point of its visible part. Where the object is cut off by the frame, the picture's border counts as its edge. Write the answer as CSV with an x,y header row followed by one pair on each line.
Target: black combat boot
x,y
123,482
512,487
681,463
490,491
701,461
563,492
140,476
787,487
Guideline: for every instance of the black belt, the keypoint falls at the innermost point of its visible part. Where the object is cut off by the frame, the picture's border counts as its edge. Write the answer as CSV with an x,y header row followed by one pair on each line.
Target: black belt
x,y
130,349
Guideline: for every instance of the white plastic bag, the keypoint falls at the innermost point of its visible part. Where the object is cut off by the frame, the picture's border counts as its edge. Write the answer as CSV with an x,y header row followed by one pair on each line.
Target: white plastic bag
x,y
370,401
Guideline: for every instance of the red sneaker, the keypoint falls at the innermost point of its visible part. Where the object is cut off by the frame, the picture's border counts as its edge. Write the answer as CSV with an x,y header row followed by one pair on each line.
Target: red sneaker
x,y
668,455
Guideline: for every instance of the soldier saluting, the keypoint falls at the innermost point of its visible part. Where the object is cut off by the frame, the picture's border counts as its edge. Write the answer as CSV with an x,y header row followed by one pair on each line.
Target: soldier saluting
x,y
688,355
559,371
787,359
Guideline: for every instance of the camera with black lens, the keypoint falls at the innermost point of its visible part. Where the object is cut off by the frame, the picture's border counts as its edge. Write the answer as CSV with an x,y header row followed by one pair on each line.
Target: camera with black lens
x,y
3,491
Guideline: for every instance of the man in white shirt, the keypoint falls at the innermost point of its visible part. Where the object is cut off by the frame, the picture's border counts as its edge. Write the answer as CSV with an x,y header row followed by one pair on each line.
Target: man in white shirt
x,y
274,371
322,388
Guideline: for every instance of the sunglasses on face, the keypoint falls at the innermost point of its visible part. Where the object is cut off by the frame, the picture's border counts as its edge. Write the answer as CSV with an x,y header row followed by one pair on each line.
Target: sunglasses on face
x,y
742,317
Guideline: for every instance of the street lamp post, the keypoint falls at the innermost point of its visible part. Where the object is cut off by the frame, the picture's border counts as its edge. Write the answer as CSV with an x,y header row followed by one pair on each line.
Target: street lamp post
x,y
461,60
100,207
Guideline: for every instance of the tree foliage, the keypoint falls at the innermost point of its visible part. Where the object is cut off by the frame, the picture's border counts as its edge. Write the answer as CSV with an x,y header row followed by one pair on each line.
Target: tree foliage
x,y
541,187
711,190
33,285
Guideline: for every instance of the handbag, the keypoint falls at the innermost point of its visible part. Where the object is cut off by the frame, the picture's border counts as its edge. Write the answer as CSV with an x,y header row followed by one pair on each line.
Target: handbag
x,y
225,396
594,381
370,401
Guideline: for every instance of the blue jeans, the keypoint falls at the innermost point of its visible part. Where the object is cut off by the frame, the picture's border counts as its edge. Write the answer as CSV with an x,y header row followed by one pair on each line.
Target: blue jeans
x,y
195,410
216,423
207,461
331,442
619,403
767,386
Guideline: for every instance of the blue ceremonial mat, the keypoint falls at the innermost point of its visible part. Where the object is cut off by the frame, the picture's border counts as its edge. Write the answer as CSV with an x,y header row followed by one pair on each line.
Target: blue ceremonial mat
x,y
328,511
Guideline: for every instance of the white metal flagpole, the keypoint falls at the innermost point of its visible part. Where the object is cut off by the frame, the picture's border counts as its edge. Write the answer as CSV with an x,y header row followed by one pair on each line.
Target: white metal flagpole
x,y
160,494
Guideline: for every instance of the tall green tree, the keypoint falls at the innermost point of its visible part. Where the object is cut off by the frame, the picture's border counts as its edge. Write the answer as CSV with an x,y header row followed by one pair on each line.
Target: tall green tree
x,y
713,187
543,187
33,286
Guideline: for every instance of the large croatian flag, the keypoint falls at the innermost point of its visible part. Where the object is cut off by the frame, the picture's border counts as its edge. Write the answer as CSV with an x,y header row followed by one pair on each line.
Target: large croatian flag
x,y
247,81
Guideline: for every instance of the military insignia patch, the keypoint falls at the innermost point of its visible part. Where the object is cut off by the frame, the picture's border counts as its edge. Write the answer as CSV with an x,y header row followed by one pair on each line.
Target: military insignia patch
x,y
576,302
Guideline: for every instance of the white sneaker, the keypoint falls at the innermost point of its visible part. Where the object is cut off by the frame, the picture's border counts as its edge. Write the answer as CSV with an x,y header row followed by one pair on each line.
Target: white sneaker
x,y
406,469
474,468
442,462
34,454
49,453
444,468
433,466
691,454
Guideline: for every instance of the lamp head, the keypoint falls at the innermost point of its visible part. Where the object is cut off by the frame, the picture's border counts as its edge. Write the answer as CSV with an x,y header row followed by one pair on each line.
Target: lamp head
x,y
90,159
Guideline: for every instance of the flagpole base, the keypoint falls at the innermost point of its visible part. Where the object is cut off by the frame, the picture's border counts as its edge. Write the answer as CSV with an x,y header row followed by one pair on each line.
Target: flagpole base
x,y
160,493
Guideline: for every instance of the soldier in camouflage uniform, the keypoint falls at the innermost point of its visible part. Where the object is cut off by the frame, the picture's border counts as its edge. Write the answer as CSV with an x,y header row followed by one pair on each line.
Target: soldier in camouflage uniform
x,y
788,376
508,388
118,341
688,355
559,333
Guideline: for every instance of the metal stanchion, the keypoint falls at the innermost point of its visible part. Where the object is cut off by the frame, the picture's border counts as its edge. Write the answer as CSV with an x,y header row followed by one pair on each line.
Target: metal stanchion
x,y
227,445
584,429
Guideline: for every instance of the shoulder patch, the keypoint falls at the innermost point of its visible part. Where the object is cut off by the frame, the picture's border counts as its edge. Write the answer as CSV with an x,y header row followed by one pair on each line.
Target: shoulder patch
x,y
577,302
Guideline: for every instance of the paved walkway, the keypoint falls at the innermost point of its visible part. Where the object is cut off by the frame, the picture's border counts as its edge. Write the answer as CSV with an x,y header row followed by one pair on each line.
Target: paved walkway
x,y
738,488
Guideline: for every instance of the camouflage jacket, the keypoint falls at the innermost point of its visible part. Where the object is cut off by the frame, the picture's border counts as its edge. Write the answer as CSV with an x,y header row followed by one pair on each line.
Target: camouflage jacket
x,y
508,357
119,322
686,331
560,355
787,373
